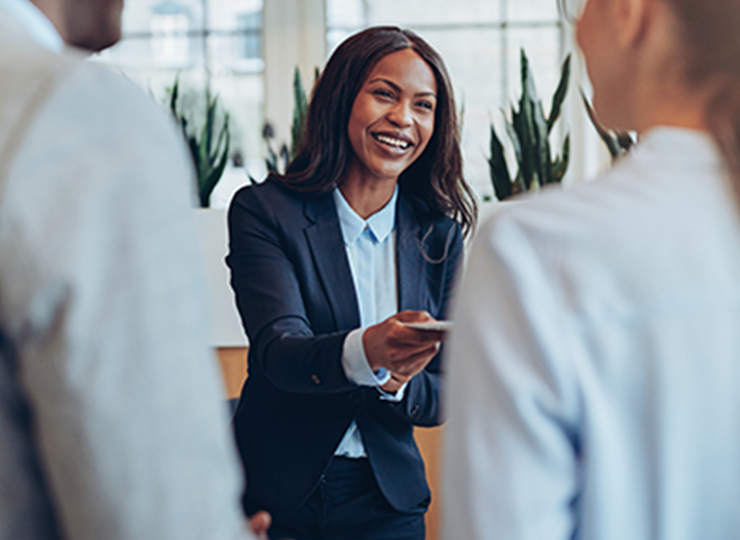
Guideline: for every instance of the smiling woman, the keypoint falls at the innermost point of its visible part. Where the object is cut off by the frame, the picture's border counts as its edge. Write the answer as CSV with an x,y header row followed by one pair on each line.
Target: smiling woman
x,y
434,175
390,125
361,236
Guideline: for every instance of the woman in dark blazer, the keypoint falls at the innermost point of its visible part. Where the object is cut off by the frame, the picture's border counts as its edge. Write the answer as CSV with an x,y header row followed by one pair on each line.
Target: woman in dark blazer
x,y
329,264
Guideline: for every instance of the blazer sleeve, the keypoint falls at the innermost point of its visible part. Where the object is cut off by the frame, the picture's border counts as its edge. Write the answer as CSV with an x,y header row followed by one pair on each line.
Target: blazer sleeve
x,y
265,259
421,405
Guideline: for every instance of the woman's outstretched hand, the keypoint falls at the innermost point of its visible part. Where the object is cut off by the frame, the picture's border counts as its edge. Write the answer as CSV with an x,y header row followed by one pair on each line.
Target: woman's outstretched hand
x,y
402,350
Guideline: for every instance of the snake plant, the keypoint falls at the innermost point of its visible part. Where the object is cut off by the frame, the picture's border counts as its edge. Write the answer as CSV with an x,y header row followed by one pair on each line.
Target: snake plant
x,y
277,160
209,146
529,133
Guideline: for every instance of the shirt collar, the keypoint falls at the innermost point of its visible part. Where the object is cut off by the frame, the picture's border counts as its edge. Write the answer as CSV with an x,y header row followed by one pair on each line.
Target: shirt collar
x,y
35,23
381,223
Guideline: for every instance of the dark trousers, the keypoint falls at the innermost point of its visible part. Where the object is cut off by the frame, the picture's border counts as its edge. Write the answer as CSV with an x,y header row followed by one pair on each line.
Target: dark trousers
x,y
347,505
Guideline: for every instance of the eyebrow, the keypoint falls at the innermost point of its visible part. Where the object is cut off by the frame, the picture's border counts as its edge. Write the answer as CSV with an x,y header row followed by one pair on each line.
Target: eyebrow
x,y
398,88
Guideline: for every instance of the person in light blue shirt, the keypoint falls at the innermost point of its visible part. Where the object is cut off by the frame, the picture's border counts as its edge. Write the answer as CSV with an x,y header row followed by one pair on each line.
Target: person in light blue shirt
x,y
595,358
329,264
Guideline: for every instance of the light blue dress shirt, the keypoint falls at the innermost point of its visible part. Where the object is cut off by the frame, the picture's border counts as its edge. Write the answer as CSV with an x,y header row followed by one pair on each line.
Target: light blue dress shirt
x,y
35,22
593,367
371,250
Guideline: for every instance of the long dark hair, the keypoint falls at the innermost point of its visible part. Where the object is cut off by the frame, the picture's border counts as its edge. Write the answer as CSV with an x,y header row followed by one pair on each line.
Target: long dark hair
x,y
324,151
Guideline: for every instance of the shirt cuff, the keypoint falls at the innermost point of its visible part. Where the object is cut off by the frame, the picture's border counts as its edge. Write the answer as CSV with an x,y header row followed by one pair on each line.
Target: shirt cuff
x,y
398,396
355,364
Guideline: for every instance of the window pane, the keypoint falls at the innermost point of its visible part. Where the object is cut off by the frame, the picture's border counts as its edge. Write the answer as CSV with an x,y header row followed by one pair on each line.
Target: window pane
x,y
138,14
234,15
241,53
345,13
238,82
532,10
422,13
140,55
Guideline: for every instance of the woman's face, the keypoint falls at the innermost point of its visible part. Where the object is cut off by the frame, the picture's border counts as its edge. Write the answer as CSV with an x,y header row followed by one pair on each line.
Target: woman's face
x,y
392,118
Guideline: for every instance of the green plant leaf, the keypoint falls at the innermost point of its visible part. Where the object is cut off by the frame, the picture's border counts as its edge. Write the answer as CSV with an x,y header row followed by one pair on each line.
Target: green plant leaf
x,y
499,171
300,109
285,155
544,164
514,138
174,93
524,124
209,159
203,153
272,161
193,147
209,126
559,97
560,167
214,173
223,137
519,184
609,140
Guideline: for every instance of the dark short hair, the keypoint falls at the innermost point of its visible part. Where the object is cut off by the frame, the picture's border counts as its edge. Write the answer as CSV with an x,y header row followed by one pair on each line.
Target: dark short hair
x,y
324,151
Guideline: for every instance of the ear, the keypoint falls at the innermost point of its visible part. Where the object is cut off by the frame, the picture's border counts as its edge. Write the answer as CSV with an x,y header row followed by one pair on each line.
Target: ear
x,y
633,18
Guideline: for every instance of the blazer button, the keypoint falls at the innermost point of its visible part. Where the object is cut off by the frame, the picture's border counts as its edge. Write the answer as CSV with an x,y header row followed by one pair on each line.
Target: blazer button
x,y
414,409
315,379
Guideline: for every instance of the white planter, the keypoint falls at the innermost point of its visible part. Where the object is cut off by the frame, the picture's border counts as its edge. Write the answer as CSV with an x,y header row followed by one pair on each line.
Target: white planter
x,y
226,328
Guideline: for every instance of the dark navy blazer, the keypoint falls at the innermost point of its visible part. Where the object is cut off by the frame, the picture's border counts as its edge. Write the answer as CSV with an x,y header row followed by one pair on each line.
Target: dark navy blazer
x,y
296,297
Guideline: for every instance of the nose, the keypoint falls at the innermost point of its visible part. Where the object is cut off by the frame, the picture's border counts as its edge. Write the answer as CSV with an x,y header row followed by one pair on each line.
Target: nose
x,y
401,114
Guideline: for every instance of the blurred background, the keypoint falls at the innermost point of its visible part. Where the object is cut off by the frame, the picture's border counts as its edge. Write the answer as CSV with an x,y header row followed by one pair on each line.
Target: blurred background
x,y
246,51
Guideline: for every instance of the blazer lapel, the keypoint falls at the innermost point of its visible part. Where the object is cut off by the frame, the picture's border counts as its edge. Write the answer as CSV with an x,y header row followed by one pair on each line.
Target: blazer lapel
x,y
409,258
325,241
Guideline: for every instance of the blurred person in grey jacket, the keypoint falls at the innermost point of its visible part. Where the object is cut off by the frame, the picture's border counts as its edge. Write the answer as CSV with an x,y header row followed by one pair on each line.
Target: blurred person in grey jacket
x,y
112,423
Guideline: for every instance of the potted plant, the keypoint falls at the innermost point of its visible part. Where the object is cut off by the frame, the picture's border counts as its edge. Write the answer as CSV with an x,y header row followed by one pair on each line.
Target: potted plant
x,y
277,162
209,146
209,149
529,131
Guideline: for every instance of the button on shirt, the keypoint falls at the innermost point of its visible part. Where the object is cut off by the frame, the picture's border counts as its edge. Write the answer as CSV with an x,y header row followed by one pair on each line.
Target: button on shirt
x,y
371,251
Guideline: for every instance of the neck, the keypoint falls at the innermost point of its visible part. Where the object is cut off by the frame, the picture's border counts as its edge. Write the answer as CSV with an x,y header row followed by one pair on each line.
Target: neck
x,y
670,105
367,194
660,94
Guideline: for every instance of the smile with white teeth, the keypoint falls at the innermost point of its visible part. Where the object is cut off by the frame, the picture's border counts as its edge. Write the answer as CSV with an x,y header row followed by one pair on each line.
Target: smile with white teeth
x,y
392,141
